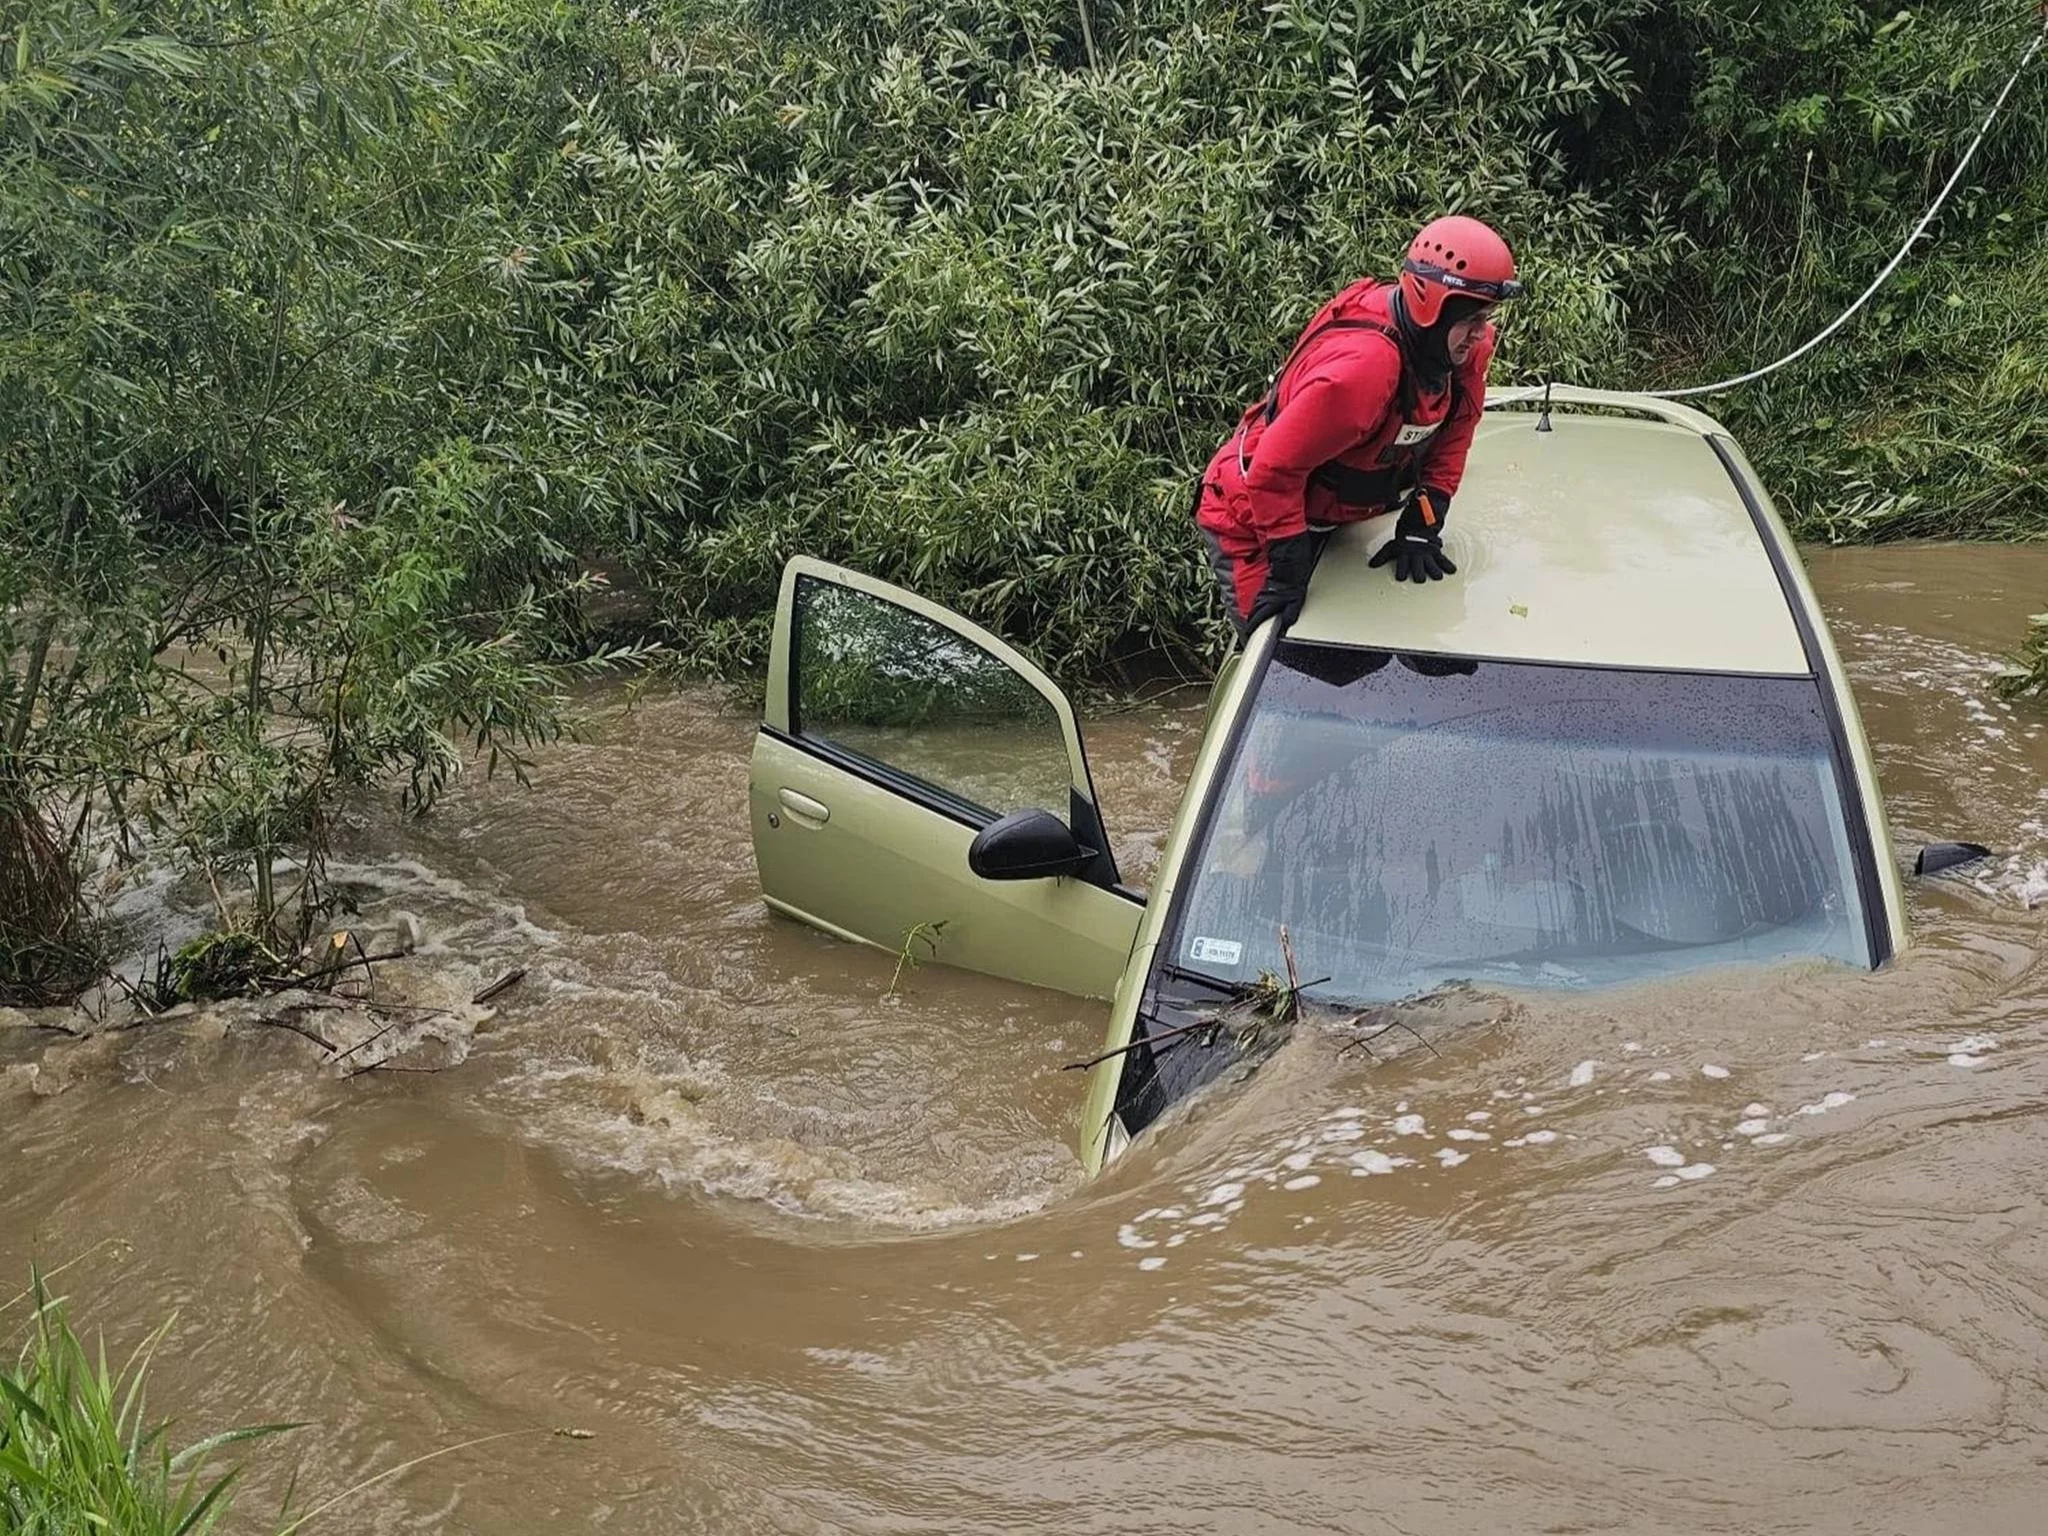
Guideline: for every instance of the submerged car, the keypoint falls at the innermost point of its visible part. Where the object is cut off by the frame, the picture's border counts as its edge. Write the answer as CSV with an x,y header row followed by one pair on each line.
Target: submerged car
x,y
1617,745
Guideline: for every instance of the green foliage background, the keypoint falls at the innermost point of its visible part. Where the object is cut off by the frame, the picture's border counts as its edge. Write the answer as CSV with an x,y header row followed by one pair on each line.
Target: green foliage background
x,y
345,349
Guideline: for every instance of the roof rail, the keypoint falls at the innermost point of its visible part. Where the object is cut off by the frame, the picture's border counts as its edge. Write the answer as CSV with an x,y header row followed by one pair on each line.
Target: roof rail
x,y
1567,396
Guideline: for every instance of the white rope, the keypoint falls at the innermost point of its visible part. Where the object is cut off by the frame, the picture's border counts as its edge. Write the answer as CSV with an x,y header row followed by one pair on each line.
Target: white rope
x,y
1892,266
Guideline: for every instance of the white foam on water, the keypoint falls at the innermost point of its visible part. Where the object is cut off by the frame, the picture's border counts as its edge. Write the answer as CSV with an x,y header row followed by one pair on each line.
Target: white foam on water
x,y
1155,1262
1340,1133
1630,1047
1772,1140
1294,1162
1026,1258
1816,1055
1448,1157
1667,1181
1206,1219
1660,1077
1827,1102
1411,1125
1582,1074
1540,1138
1752,1127
1176,1240
1710,1070
1665,1157
1695,1171
1461,1134
1347,1113
1223,1194
1532,1109
1372,1160
1478,1117
1970,1049
1751,1111
1128,1236
1303,1181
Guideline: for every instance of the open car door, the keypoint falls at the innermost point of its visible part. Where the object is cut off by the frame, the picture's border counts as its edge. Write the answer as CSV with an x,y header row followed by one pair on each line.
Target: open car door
x,y
896,738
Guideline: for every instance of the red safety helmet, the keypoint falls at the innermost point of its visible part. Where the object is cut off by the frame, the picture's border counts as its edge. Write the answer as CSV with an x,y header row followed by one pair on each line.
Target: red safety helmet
x,y
1455,257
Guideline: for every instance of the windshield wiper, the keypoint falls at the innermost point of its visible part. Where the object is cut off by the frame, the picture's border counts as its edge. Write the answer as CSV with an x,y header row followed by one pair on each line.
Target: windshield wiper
x,y
1160,1040
1202,978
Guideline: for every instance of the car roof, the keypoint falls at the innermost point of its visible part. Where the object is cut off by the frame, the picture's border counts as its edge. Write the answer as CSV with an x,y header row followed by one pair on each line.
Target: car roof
x,y
1608,540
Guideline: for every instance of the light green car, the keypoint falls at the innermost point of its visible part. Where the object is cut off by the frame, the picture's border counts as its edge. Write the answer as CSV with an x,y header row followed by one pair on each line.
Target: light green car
x,y
1617,745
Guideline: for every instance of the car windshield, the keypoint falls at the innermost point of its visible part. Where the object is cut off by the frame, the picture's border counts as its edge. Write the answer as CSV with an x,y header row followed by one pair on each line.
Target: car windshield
x,y
1413,820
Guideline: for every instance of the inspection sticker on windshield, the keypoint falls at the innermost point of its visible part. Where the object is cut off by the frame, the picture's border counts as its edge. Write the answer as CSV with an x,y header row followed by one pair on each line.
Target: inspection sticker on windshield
x,y
1216,951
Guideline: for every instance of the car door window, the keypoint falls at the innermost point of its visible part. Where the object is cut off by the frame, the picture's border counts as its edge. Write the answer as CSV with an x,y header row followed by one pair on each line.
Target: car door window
x,y
922,707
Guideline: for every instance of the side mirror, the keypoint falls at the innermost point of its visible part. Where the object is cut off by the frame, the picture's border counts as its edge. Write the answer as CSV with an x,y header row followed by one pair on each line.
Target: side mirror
x,y
1027,845
1936,857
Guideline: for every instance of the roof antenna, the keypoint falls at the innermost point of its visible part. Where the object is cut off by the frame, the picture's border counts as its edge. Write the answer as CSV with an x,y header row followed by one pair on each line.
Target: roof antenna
x,y
1543,422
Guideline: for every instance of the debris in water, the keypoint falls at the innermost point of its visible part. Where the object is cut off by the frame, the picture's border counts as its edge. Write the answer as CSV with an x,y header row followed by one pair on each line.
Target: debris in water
x,y
504,983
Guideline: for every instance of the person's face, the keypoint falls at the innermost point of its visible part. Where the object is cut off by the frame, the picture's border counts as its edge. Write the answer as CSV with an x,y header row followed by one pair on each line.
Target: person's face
x,y
1464,336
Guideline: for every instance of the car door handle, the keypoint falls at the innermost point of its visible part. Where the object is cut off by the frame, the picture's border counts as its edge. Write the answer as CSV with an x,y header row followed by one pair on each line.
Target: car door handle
x,y
811,812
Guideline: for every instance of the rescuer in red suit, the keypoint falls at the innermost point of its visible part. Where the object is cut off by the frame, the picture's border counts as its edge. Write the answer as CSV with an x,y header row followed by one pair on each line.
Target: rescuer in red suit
x,y
1372,412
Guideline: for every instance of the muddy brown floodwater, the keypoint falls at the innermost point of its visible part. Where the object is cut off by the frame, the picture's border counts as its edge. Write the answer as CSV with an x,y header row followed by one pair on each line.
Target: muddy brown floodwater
x,y
803,1254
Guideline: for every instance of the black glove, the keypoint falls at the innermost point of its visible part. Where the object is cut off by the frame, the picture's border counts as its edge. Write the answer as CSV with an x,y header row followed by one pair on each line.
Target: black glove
x,y
1417,547
1289,564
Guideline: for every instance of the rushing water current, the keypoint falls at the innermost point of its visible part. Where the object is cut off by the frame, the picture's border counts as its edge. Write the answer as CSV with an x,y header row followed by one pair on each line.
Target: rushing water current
x,y
799,1244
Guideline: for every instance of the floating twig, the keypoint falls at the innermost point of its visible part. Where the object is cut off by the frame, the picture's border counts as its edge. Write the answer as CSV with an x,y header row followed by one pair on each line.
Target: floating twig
x,y
1293,1000
276,983
281,1022
361,1044
510,979
1360,1040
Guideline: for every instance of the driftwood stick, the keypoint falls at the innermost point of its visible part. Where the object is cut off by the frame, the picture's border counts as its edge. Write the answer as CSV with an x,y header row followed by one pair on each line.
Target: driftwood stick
x,y
280,1022
1293,1003
134,993
510,979
1361,1039
360,1044
280,983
